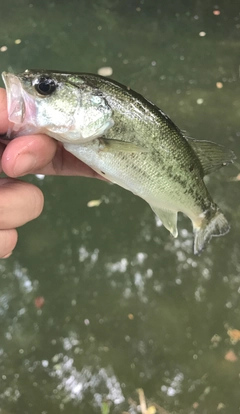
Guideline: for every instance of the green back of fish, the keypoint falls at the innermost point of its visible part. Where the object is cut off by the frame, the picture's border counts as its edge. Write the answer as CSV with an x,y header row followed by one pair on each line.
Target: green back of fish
x,y
171,165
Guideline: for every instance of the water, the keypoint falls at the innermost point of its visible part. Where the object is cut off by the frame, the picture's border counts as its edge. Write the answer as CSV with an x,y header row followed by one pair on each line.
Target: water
x,y
98,302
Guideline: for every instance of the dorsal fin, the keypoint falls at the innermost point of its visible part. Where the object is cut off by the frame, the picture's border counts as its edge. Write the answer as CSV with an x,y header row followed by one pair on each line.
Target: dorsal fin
x,y
212,156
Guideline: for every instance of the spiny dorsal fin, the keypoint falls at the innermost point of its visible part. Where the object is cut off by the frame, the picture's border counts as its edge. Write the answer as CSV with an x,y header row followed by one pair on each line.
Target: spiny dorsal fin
x,y
212,156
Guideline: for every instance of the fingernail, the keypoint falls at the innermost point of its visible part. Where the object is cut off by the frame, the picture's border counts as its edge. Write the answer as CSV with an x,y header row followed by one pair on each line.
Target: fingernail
x,y
24,164
7,255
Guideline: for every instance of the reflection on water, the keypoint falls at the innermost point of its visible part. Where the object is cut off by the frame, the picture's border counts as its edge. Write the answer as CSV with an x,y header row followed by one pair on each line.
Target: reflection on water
x,y
97,302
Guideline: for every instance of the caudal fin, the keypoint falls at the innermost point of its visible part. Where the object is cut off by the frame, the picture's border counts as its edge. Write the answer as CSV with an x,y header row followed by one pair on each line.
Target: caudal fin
x,y
213,226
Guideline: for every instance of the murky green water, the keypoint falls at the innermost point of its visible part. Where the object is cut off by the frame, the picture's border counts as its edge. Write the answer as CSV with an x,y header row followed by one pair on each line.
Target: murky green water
x,y
125,305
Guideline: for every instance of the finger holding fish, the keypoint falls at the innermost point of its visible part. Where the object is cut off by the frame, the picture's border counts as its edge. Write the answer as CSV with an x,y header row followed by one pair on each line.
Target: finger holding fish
x,y
20,202
26,155
40,154
8,241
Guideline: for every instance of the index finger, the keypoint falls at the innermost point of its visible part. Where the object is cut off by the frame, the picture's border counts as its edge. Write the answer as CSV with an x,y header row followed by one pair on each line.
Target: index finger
x,y
3,112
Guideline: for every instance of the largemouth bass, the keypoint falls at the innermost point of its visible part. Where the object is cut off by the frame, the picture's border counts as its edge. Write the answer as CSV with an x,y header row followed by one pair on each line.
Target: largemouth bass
x,y
126,139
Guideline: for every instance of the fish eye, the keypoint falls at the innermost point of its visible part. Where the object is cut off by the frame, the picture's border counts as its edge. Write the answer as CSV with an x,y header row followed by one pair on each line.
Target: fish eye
x,y
45,86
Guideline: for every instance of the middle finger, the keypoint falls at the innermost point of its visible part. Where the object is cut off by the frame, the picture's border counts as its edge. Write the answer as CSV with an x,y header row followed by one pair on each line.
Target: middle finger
x,y
20,202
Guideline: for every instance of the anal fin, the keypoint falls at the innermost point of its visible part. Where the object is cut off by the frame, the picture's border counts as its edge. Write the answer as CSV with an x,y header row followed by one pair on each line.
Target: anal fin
x,y
168,219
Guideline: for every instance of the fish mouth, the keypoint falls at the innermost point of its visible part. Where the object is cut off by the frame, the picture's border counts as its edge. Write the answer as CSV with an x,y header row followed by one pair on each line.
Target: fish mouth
x,y
15,100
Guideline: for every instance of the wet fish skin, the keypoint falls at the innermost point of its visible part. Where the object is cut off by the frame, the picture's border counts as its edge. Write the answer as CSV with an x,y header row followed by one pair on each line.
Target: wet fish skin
x,y
74,113
141,149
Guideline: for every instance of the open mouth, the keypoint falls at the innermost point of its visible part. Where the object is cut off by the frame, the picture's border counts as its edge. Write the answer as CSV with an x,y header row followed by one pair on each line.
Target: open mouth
x,y
15,101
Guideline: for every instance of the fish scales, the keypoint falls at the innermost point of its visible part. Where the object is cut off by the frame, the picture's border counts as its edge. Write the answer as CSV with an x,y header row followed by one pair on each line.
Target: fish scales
x,y
163,138
125,138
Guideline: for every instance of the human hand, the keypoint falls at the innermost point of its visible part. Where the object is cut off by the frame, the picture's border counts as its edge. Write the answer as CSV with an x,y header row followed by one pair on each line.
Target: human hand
x,y
21,202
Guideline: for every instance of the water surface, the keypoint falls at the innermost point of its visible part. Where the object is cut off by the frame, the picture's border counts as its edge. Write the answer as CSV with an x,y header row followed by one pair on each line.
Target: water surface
x,y
98,302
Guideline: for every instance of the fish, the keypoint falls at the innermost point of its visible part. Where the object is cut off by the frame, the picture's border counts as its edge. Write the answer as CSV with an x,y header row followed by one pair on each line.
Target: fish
x,y
125,138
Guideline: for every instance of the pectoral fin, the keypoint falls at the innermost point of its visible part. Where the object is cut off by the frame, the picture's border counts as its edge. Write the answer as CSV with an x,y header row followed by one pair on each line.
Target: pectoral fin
x,y
211,155
168,219
114,145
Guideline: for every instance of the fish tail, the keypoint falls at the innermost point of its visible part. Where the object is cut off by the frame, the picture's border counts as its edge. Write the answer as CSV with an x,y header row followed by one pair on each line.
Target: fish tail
x,y
214,224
